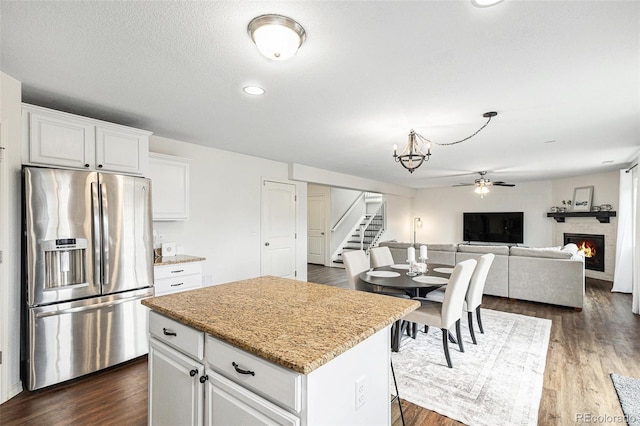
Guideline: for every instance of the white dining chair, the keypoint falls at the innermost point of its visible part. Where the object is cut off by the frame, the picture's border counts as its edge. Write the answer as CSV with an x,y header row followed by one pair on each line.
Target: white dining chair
x,y
473,299
381,256
356,262
448,313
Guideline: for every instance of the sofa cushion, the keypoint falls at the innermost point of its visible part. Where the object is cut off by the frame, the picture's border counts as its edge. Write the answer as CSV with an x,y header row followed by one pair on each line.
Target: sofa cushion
x,y
395,244
501,250
547,252
442,247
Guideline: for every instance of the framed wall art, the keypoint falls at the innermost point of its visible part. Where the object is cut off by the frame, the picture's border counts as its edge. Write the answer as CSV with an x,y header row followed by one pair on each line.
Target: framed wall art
x,y
582,197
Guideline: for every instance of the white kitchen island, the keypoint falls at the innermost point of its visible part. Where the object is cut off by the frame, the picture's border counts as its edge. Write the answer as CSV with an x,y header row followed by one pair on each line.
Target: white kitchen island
x,y
271,351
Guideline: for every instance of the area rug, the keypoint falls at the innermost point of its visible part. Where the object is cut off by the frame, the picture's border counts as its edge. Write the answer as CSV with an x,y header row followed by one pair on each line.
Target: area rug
x,y
496,382
628,390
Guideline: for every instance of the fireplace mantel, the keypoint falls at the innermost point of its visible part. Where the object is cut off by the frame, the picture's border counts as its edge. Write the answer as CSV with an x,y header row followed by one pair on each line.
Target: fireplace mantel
x,y
602,216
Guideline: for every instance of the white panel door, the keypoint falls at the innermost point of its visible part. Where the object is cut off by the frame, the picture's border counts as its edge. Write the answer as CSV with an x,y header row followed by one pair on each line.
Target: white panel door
x,y
278,229
316,229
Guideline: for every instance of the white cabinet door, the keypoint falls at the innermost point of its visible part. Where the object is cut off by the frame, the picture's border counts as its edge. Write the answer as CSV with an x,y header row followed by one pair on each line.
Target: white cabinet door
x,y
170,183
60,141
230,404
121,151
175,392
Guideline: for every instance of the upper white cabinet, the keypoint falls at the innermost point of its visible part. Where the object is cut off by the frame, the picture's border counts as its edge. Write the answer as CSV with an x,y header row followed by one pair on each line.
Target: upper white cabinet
x,y
170,183
55,138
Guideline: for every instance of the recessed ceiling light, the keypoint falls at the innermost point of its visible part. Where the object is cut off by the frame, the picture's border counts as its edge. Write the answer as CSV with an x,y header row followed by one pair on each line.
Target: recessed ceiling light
x,y
485,3
253,90
550,141
607,162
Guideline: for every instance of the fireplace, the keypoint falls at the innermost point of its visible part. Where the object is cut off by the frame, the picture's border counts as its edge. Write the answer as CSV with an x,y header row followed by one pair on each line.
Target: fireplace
x,y
593,248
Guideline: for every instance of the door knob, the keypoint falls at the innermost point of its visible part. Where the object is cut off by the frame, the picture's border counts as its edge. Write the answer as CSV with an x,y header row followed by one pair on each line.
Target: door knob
x,y
322,233
266,244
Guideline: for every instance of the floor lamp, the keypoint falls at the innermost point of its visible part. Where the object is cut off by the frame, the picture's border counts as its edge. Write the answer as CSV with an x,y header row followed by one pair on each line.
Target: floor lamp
x,y
417,223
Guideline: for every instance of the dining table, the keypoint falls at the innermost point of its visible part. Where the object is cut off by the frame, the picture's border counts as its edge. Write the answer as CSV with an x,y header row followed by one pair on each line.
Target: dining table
x,y
418,285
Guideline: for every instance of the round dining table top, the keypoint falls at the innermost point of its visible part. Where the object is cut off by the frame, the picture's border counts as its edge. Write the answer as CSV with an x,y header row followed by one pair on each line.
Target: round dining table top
x,y
396,276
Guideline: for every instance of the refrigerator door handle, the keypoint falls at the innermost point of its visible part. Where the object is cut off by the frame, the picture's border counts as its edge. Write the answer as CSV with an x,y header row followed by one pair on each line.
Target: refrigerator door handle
x,y
97,234
105,234
89,306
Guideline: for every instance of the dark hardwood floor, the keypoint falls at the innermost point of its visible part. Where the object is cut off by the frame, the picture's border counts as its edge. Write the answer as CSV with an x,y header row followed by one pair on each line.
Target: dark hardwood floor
x,y
584,348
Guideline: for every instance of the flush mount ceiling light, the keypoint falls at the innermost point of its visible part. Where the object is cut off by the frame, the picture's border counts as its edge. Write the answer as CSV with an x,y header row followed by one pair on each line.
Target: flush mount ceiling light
x,y
485,3
277,37
413,155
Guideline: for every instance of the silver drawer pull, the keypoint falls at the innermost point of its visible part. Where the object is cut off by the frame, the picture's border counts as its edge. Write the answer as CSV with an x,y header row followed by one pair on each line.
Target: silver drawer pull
x,y
176,285
241,371
178,271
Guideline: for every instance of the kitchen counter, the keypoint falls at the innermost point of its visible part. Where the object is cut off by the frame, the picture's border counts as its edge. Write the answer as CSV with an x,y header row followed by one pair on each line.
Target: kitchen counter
x,y
298,325
178,258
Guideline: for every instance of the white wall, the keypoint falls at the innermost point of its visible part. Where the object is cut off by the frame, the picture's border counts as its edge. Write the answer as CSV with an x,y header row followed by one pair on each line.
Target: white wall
x,y
10,223
341,200
225,213
398,218
441,211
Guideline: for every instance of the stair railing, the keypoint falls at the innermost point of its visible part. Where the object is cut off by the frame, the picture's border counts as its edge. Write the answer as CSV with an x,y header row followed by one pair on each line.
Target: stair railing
x,y
363,228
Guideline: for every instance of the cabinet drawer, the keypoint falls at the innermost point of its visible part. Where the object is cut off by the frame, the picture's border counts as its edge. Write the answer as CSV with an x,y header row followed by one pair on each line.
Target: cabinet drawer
x,y
273,382
168,271
177,283
180,336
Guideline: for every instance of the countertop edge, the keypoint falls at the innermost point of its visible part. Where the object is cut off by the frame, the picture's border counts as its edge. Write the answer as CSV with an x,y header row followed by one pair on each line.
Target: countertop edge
x,y
303,368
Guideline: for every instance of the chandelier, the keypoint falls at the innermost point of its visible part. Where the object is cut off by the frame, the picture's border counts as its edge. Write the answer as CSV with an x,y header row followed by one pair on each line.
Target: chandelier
x,y
413,155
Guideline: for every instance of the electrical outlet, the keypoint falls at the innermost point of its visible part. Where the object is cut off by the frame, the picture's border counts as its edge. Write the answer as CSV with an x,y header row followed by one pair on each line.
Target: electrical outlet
x,y
361,397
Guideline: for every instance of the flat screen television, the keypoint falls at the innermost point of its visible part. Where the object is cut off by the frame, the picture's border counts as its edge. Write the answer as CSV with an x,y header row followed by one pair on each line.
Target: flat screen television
x,y
499,227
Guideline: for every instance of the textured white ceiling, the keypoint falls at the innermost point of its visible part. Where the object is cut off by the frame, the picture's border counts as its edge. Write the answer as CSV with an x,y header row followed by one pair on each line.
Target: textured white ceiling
x,y
369,71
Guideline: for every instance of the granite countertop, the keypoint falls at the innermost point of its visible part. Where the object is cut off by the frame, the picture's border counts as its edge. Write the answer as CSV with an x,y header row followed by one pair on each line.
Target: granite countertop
x,y
295,324
178,258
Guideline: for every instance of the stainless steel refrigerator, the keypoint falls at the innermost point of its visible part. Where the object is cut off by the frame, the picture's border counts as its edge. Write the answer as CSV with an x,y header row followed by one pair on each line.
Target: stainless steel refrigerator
x,y
87,263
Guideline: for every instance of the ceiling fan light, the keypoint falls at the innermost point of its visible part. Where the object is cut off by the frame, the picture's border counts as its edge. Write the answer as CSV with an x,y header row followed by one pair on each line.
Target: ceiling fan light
x,y
276,37
481,190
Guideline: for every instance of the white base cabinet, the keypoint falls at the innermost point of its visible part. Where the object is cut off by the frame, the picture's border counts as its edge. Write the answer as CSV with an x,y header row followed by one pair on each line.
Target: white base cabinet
x,y
177,277
239,388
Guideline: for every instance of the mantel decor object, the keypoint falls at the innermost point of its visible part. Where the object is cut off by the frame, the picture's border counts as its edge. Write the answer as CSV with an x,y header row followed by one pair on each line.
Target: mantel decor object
x,y
582,197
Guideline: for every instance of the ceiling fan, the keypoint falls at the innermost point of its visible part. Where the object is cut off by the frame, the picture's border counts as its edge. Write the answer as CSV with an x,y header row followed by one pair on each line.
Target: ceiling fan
x,y
483,183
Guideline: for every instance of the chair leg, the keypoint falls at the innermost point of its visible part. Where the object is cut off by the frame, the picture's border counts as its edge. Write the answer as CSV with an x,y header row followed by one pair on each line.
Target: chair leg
x,y
458,336
397,394
473,334
445,343
479,320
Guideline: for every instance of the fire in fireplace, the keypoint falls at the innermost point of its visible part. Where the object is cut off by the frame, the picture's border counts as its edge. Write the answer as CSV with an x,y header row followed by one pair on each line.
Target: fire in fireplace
x,y
593,248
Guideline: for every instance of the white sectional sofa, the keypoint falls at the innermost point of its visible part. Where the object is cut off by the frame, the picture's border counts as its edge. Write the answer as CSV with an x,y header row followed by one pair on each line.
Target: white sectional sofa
x,y
552,275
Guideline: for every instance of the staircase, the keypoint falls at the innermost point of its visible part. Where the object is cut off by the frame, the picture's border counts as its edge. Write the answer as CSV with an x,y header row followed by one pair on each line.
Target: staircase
x,y
366,234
